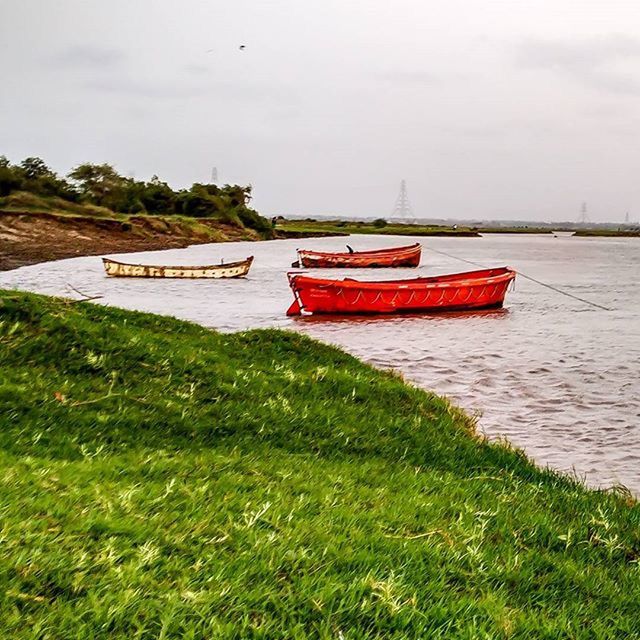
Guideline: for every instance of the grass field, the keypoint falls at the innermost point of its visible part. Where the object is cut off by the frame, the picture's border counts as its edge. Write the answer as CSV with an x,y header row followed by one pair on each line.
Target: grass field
x,y
608,233
339,227
394,229
163,481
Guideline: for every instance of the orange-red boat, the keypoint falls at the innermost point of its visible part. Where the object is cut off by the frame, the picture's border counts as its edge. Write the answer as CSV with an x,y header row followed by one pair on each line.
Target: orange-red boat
x,y
483,289
408,256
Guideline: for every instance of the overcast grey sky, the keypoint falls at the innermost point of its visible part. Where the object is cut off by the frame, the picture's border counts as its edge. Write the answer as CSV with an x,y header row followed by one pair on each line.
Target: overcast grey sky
x,y
488,109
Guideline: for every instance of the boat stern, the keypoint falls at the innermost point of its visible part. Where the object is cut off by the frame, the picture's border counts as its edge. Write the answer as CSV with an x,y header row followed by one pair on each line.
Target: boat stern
x,y
296,307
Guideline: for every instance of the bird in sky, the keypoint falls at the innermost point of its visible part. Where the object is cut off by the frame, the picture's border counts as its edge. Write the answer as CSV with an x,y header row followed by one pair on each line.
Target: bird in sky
x,y
241,47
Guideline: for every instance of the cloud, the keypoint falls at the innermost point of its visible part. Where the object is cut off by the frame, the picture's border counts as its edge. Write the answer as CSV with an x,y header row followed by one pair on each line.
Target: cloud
x,y
178,88
594,62
88,57
197,69
410,78
126,86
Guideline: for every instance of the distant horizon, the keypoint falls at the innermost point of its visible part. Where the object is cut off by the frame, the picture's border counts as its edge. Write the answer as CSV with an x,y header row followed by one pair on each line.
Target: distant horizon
x,y
468,220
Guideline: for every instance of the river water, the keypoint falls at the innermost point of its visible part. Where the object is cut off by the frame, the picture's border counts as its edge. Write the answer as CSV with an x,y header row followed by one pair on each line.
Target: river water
x,y
554,376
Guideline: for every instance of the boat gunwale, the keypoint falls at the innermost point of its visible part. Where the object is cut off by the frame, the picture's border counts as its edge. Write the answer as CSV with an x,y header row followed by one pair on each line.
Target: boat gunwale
x,y
446,281
412,248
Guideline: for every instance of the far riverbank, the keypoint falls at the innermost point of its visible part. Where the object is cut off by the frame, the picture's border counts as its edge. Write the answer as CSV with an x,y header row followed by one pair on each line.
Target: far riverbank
x,y
28,237
384,227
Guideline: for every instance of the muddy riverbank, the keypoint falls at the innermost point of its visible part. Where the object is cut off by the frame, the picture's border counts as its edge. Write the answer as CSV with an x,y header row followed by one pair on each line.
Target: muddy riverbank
x,y
29,238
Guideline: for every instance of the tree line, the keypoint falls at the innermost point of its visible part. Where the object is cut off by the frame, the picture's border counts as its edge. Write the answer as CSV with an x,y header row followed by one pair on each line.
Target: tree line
x,y
102,185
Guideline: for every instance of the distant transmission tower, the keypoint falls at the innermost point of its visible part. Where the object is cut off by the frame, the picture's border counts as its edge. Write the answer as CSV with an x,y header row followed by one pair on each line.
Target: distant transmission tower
x,y
583,218
214,175
402,208
626,218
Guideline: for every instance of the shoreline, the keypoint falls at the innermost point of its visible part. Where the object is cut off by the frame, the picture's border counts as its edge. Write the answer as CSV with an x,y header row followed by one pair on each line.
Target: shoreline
x,y
34,237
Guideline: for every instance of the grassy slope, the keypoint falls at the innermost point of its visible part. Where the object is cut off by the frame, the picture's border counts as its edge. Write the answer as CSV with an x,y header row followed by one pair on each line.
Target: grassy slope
x,y
25,203
163,481
608,233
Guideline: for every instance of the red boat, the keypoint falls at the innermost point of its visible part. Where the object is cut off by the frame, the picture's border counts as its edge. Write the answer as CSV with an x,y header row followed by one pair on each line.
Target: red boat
x,y
483,289
408,256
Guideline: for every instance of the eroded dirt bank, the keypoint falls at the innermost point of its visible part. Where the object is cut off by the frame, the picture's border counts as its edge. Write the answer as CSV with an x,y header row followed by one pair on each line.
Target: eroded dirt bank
x,y
28,238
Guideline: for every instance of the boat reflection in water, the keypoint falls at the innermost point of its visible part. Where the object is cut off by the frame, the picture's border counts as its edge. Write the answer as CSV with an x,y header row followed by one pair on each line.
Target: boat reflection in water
x,y
337,319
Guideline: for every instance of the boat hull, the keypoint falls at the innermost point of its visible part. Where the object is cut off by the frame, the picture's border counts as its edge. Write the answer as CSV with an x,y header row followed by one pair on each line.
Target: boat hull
x,y
230,270
472,290
395,257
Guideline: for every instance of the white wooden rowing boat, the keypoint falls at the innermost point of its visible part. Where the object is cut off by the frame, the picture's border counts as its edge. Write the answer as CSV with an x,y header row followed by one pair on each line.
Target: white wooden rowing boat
x,y
229,270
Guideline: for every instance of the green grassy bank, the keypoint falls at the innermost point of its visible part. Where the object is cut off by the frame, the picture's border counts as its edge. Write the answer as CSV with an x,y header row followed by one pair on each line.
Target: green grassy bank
x,y
341,227
38,206
382,227
162,481
608,233
36,229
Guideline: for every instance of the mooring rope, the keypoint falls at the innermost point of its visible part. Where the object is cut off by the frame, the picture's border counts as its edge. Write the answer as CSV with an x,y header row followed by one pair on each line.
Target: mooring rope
x,y
524,275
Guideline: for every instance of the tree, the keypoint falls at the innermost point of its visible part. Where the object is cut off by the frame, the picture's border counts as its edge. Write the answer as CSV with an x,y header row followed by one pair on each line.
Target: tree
x,y
196,202
43,181
98,182
11,178
102,185
157,196
35,168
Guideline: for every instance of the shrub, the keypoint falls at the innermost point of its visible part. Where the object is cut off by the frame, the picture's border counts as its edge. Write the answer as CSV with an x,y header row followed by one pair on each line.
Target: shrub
x,y
10,180
195,205
253,220
99,189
